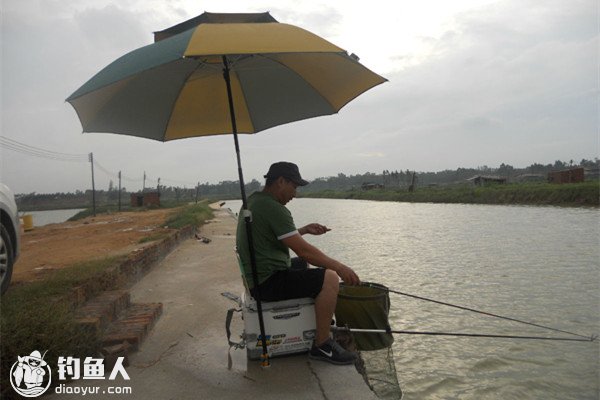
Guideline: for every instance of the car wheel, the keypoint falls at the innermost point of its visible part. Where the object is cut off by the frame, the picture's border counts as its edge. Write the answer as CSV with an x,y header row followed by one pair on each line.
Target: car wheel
x,y
7,259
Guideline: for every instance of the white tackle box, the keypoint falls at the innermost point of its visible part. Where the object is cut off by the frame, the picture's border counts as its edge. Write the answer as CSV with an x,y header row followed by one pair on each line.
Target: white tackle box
x,y
290,326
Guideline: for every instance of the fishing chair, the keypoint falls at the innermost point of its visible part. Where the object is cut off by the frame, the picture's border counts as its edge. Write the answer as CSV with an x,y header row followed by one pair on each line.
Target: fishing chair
x,y
290,325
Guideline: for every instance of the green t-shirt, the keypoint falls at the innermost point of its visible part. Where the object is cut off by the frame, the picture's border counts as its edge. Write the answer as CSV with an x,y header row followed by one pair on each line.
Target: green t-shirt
x,y
271,222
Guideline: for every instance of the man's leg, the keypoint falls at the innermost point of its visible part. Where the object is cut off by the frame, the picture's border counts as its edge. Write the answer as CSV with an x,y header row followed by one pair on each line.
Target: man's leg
x,y
325,348
325,305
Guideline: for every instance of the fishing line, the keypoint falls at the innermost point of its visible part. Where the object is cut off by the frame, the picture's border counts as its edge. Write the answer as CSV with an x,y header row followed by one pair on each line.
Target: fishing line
x,y
480,335
587,338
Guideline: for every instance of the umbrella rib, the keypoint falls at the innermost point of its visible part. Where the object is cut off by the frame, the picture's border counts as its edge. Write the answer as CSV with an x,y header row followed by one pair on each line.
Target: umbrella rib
x,y
183,82
358,94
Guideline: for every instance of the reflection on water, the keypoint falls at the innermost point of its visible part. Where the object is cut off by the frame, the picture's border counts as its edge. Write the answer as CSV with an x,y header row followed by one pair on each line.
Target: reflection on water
x,y
539,264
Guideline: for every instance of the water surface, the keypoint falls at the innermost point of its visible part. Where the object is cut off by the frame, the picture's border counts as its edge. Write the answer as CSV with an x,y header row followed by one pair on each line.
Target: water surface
x,y
41,218
540,264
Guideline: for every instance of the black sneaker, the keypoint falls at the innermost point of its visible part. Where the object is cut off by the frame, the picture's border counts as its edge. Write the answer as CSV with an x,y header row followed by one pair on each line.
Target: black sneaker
x,y
332,352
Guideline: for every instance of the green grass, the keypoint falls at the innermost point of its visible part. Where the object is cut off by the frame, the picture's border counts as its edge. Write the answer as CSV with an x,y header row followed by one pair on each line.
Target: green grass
x,y
189,215
575,194
40,316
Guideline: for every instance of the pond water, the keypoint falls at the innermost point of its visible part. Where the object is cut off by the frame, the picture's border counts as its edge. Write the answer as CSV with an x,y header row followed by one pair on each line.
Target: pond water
x,y
539,264
41,218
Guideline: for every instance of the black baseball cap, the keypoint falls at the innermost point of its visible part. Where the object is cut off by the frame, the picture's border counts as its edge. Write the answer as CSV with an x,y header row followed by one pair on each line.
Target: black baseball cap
x,y
287,170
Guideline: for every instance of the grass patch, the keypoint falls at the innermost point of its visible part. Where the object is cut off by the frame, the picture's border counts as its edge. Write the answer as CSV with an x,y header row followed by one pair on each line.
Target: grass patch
x,y
189,215
40,316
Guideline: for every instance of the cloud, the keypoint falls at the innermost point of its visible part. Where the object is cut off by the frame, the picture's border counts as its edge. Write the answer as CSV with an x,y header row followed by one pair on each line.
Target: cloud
x,y
371,155
507,81
323,21
502,77
110,29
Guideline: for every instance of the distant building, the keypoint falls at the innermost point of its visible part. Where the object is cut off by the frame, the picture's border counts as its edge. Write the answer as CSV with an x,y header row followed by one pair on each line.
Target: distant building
x,y
147,199
481,180
572,175
530,178
591,174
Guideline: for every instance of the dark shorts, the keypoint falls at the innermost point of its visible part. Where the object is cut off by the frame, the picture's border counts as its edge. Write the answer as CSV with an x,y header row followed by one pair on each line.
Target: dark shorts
x,y
293,283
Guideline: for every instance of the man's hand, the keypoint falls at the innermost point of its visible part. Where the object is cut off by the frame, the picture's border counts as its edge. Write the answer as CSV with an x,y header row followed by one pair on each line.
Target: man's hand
x,y
316,257
348,275
314,229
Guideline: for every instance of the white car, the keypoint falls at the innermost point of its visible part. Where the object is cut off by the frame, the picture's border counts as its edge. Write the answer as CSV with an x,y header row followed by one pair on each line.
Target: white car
x,y
9,235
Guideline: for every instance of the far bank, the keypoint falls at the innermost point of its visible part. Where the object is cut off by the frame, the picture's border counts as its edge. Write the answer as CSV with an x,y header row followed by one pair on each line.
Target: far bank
x,y
586,194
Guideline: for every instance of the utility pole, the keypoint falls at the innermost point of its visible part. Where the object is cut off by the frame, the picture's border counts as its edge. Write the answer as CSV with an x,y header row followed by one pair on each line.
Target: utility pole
x,y
119,191
411,188
158,187
144,184
93,184
197,191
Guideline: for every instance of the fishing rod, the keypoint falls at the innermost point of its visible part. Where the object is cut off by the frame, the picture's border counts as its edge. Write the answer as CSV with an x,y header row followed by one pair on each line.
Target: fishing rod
x,y
482,335
587,338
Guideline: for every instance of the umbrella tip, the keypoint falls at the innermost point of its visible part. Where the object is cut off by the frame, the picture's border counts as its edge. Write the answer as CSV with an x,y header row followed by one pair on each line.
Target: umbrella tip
x,y
354,57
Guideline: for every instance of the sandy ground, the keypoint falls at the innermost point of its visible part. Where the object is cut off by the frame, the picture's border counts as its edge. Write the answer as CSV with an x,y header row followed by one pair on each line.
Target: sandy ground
x,y
56,246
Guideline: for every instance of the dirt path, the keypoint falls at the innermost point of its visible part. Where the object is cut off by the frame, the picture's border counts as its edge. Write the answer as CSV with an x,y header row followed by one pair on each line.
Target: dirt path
x,y
56,246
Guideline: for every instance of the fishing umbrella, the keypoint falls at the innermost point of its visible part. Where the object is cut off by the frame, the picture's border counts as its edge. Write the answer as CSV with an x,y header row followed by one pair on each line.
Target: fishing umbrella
x,y
222,74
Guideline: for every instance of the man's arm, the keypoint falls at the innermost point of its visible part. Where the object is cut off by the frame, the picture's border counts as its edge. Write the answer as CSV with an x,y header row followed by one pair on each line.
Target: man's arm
x,y
316,257
313,229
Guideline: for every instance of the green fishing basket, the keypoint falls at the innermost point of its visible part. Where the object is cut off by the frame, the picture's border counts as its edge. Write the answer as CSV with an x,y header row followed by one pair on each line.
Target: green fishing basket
x,y
365,306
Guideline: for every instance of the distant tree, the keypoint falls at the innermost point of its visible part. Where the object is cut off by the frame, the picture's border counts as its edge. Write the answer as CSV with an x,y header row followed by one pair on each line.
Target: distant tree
x,y
589,163
536,169
253,186
505,170
559,164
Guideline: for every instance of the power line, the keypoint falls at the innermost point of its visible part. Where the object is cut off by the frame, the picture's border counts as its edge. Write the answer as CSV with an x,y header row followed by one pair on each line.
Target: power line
x,y
115,174
39,152
178,182
133,180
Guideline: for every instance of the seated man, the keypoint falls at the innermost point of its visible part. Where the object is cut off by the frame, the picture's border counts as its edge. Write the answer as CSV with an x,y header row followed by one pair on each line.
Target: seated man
x,y
274,233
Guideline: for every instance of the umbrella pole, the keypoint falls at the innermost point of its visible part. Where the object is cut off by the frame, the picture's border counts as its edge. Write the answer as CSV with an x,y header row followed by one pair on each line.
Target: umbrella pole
x,y
247,217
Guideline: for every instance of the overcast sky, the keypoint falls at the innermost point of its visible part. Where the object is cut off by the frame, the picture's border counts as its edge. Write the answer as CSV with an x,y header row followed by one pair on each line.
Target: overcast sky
x,y
471,83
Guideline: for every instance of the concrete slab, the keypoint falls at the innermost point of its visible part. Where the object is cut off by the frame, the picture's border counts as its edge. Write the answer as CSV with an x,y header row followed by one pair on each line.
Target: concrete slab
x,y
186,354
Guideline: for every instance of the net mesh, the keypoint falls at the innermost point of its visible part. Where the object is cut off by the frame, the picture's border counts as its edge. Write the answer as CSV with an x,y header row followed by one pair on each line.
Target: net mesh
x,y
379,371
367,307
